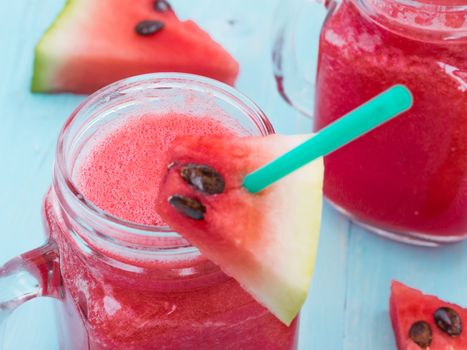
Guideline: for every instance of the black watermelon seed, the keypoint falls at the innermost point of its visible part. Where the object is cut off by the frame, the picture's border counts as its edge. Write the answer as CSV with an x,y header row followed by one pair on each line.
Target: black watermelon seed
x,y
188,206
421,334
448,321
147,27
162,5
203,178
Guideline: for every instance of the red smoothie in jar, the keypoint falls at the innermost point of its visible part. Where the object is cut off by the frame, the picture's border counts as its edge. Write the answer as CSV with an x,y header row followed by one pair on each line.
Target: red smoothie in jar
x,y
410,175
150,303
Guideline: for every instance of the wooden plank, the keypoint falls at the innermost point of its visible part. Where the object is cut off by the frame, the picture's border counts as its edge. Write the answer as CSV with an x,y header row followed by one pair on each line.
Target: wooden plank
x,y
322,318
28,129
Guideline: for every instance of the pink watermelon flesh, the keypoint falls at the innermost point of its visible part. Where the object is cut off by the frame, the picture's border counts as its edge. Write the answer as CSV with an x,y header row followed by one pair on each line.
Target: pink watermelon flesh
x,y
408,305
266,241
93,43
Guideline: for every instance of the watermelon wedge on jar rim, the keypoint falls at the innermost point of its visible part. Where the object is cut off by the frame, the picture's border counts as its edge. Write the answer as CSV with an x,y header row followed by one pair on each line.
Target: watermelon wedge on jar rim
x,y
267,241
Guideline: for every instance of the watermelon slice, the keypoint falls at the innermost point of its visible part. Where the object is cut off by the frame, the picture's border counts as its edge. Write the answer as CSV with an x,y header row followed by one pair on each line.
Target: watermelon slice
x,y
266,241
425,322
93,43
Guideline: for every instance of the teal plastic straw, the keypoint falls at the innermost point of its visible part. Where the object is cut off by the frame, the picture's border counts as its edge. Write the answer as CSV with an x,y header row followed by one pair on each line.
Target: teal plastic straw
x,y
361,120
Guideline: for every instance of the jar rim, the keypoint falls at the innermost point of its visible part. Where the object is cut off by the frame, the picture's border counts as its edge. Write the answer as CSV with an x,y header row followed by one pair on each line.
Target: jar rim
x,y
63,180
461,5
426,20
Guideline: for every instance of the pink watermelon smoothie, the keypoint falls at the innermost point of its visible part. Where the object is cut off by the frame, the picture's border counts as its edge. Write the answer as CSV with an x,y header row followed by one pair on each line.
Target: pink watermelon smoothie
x,y
409,175
184,304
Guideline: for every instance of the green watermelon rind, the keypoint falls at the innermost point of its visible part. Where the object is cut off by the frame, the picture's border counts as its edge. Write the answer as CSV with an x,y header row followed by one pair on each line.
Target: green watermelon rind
x,y
42,63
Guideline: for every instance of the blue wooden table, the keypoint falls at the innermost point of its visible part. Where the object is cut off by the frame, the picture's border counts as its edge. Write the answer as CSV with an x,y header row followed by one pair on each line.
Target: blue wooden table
x,y
348,303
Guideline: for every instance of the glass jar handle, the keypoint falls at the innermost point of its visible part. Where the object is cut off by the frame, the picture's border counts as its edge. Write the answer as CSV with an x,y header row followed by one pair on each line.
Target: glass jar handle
x,y
294,87
28,276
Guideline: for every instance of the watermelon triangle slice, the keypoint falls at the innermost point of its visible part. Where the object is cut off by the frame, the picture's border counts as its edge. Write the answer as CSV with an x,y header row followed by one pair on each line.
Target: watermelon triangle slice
x,y
425,322
93,43
266,241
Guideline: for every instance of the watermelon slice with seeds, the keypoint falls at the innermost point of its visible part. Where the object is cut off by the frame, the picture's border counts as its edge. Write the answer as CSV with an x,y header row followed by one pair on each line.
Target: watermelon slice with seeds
x,y
95,42
425,322
266,241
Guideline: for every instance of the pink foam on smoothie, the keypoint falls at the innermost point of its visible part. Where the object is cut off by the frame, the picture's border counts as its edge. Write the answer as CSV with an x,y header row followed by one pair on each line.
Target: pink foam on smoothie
x,y
122,171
